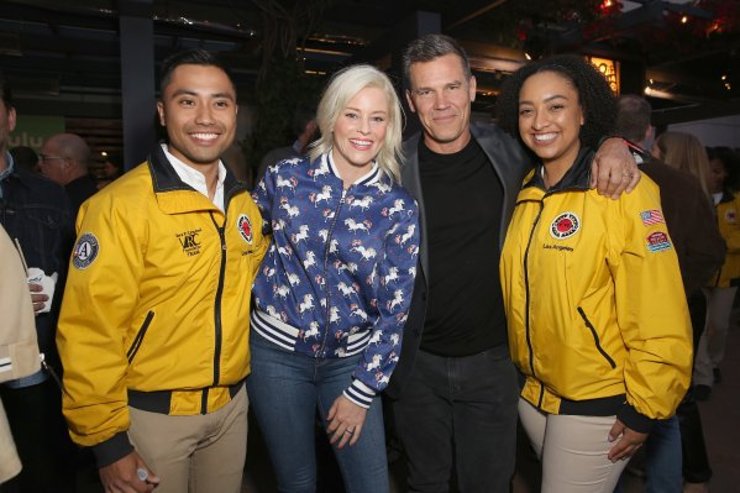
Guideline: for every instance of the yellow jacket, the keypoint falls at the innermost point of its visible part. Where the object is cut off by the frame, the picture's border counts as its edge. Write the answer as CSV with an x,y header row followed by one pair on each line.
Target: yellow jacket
x,y
728,210
594,301
156,307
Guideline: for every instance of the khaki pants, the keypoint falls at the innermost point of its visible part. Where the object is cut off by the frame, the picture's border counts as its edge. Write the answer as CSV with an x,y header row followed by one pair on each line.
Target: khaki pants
x,y
204,453
573,451
711,350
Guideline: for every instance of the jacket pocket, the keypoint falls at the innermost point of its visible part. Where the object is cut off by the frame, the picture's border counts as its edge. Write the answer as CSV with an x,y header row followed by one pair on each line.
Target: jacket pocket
x,y
134,348
597,343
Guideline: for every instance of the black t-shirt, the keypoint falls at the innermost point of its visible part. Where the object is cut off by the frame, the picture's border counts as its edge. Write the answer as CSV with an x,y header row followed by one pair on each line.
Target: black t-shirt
x,y
463,200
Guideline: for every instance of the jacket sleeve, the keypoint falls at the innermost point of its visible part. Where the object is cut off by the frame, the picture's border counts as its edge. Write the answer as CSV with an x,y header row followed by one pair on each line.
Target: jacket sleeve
x,y
396,272
651,309
732,237
100,295
19,352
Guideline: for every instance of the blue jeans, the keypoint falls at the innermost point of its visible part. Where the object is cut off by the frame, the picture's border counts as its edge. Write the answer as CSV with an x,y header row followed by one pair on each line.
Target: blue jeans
x,y
459,413
663,458
285,389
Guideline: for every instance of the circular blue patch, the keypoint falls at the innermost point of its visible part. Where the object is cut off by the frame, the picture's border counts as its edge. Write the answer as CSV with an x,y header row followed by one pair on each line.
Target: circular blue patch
x,y
85,251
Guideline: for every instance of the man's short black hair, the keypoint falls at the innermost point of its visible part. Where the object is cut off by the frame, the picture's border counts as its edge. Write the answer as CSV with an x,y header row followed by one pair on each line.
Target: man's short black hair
x,y
188,57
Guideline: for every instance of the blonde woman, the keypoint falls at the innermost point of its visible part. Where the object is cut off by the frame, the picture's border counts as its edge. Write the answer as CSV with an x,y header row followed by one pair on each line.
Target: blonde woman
x,y
333,294
685,152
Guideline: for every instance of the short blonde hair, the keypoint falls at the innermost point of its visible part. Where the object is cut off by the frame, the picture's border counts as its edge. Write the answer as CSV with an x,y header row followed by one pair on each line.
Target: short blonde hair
x,y
342,87
684,151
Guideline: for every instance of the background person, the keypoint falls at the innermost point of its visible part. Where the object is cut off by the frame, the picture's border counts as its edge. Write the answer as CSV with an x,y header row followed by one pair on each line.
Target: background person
x,y
64,159
675,448
721,294
333,294
305,129
26,157
35,212
597,316
19,351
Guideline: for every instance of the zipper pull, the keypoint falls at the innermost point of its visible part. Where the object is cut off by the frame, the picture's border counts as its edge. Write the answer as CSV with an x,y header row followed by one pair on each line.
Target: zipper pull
x,y
52,373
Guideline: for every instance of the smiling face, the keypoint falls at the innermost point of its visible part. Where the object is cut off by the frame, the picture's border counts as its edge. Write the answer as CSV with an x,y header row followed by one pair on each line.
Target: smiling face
x,y
716,176
441,94
550,118
359,131
198,109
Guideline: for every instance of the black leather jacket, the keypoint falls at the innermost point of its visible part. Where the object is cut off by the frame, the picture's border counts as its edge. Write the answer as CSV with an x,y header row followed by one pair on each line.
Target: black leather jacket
x,y
510,164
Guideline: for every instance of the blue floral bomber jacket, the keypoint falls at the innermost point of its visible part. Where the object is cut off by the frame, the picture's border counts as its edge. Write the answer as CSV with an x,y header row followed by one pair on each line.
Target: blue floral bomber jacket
x,y
338,276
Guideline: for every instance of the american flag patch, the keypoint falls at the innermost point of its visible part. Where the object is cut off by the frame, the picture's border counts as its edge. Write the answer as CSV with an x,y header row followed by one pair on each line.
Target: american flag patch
x,y
652,217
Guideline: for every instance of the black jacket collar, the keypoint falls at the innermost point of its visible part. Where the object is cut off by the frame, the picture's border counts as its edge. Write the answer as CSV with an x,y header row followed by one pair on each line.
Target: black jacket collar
x,y
166,179
577,177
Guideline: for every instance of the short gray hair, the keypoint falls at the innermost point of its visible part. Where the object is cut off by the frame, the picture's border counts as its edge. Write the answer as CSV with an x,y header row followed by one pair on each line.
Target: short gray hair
x,y
342,87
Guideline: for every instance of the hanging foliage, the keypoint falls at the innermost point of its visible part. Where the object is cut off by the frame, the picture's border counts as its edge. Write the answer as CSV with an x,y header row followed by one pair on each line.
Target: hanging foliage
x,y
282,85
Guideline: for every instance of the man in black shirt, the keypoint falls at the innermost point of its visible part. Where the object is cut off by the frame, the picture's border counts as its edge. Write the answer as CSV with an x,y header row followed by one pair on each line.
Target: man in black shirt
x,y
454,392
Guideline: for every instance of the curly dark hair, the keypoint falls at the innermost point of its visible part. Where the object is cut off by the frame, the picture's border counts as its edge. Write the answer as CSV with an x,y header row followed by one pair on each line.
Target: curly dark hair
x,y
595,97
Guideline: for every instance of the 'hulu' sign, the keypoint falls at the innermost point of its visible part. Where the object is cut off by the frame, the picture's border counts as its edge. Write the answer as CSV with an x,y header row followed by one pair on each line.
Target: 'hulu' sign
x,y
31,131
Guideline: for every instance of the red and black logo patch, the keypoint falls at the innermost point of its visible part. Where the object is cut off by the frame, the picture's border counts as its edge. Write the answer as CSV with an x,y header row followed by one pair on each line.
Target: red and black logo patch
x,y
245,228
565,226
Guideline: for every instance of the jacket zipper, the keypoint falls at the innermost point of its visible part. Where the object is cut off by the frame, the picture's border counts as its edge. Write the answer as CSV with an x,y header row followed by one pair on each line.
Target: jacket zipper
x,y
596,338
326,262
527,296
136,344
217,316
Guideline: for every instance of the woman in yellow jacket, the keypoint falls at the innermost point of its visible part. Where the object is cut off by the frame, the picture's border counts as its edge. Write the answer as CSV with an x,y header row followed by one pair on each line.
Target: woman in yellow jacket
x,y
721,293
597,315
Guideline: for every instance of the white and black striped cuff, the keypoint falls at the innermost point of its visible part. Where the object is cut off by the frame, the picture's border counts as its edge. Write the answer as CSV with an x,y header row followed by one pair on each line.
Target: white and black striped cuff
x,y
360,394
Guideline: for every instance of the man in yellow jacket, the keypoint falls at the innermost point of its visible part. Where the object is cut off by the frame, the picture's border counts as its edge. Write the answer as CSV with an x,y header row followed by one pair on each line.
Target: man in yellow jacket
x,y
154,326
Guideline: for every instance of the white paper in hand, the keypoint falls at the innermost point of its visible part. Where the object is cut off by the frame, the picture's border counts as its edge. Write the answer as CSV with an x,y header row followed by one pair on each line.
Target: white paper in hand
x,y
48,284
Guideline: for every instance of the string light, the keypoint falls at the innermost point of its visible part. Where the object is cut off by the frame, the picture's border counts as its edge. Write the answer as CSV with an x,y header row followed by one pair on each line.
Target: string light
x,y
684,19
